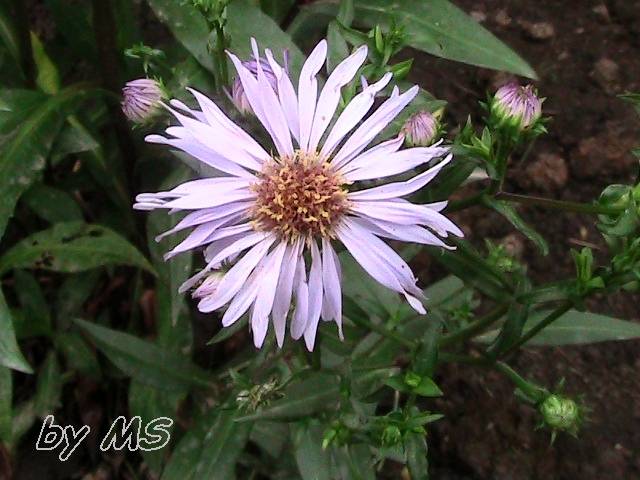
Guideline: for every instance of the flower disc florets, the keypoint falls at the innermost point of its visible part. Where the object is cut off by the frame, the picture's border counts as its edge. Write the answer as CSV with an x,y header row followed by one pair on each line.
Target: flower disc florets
x,y
299,196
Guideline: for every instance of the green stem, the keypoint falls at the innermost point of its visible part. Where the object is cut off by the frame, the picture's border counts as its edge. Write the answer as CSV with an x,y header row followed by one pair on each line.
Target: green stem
x,y
385,332
553,316
559,204
532,391
475,327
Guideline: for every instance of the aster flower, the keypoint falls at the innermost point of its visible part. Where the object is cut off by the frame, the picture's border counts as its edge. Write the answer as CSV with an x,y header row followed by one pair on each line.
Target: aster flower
x,y
141,99
516,106
270,222
421,129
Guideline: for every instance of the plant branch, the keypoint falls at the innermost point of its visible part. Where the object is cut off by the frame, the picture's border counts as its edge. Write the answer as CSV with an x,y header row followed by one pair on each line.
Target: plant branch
x,y
475,327
563,308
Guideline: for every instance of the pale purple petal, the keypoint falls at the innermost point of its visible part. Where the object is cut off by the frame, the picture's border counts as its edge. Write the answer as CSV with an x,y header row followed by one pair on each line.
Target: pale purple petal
x,y
265,105
301,312
206,233
400,189
355,111
284,291
315,297
206,215
394,164
308,91
406,213
268,281
202,153
330,94
217,119
373,125
235,278
331,285
287,96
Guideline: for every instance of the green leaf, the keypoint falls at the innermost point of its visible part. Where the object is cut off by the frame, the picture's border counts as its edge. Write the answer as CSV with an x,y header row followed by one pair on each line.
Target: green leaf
x,y
512,328
337,49
467,264
277,9
416,451
6,400
148,363
73,247
509,212
8,33
575,328
444,293
35,310
23,154
188,26
427,388
440,28
150,403
270,437
79,356
49,387
173,323
48,79
210,449
73,293
314,463
244,21
315,392
51,204
10,355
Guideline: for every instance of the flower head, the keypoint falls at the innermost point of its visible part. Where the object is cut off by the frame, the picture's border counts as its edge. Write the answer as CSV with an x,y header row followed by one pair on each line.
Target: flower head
x,y
238,95
269,222
561,413
421,129
141,99
516,106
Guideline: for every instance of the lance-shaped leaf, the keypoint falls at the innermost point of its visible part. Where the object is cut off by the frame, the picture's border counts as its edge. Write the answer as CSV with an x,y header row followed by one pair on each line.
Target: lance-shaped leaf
x,y
146,362
210,449
314,462
507,211
315,392
73,247
188,26
575,328
10,355
440,28
24,152
245,20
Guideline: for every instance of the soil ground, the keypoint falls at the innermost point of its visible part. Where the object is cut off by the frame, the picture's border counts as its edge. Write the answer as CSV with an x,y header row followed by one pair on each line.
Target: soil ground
x,y
585,53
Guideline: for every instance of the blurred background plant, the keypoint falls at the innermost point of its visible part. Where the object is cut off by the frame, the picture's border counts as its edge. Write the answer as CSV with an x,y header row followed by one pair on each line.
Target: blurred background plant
x,y
92,325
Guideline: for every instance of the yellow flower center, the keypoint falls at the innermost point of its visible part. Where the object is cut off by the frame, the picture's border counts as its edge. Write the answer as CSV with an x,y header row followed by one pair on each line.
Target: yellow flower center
x,y
299,196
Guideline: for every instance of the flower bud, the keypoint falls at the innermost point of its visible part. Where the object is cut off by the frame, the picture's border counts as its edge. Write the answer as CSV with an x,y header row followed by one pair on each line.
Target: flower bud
x,y
238,95
391,435
421,129
516,106
141,99
561,413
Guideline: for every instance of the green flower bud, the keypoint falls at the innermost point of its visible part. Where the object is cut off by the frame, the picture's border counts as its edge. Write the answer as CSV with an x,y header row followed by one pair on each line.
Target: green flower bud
x,y
412,379
561,413
391,435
